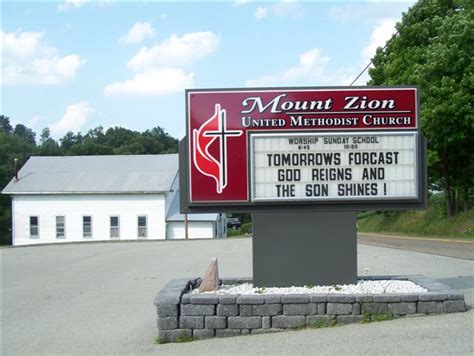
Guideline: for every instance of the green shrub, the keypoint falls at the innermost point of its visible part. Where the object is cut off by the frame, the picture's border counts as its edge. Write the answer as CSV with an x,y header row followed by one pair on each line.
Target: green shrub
x,y
246,228
232,233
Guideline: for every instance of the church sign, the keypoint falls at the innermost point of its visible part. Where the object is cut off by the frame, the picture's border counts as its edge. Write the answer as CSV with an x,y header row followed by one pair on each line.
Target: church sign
x,y
323,148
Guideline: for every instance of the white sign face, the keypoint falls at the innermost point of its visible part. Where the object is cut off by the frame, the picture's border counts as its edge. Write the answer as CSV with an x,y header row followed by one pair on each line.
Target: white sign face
x,y
342,166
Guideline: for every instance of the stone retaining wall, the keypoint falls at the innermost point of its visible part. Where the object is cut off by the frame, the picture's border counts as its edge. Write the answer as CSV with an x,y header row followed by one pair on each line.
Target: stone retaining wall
x,y
185,315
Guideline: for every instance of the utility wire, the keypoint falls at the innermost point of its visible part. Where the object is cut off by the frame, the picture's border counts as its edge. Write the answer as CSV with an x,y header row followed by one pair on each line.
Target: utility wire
x,y
387,43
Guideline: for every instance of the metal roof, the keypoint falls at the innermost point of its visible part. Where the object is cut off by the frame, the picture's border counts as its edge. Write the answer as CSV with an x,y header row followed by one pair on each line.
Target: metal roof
x,y
131,174
175,215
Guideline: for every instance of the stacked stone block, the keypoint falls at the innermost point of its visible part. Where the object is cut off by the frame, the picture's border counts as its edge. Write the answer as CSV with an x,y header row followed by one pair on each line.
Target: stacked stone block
x,y
200,316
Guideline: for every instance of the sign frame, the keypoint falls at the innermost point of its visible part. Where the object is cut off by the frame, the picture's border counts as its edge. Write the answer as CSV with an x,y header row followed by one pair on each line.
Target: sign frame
x,y
189,206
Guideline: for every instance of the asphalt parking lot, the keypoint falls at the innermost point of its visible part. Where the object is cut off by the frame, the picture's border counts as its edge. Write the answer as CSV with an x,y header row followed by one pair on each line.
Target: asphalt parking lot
x,y
97,298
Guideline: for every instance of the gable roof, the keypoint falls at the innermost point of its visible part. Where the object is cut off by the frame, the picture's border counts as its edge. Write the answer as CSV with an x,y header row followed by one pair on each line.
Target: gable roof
x,y
132,174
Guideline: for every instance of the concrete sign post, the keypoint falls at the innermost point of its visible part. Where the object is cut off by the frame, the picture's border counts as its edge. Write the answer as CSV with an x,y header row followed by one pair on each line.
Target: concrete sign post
x,y
304,248
311,157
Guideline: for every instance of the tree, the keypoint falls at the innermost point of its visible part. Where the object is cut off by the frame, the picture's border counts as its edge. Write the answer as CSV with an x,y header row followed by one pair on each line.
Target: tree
x,y
25,133
434,51
69,140
48,146
45,135
5,125
18,143
169,144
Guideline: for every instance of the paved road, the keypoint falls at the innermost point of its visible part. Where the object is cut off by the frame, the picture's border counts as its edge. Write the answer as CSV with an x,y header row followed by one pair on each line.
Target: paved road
x,y
86,299
444,247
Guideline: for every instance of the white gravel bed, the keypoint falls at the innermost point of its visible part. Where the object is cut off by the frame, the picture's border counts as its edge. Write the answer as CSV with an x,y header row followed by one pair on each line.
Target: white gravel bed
x,y
362,287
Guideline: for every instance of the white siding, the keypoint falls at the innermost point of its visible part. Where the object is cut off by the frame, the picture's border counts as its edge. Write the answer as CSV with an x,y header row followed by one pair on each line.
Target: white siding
x,y
74,207
169,197
196,230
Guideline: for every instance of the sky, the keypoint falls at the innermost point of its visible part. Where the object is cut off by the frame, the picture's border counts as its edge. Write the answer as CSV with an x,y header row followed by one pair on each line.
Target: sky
x,y
76,64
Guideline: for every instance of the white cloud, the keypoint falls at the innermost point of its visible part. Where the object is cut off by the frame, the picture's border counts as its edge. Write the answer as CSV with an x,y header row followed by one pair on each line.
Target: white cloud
x,y
67,5
20,45
159,81
238,3
377,12
25,59
342,12
370,11
176,51
311,68
34,121
138,33
74,118
283,8
104,3
384,30
287,8
159,70
261,12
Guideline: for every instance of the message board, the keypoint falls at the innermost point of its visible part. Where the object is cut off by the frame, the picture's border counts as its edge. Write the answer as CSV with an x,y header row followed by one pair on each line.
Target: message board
x,y
334,167
252,148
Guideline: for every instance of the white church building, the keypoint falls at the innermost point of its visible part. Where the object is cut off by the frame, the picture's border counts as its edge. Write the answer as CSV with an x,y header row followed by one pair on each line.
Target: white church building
x,y
99,198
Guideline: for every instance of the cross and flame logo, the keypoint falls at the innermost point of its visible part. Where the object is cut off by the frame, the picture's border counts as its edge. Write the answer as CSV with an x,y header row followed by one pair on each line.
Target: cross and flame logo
x,y
214,129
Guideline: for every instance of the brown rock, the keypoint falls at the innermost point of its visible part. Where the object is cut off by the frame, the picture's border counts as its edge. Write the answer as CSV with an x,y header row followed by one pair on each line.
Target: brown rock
x,y
210,282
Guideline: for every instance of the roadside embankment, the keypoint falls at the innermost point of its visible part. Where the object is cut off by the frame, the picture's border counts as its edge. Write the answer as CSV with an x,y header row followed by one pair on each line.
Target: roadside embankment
x,y
431,222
